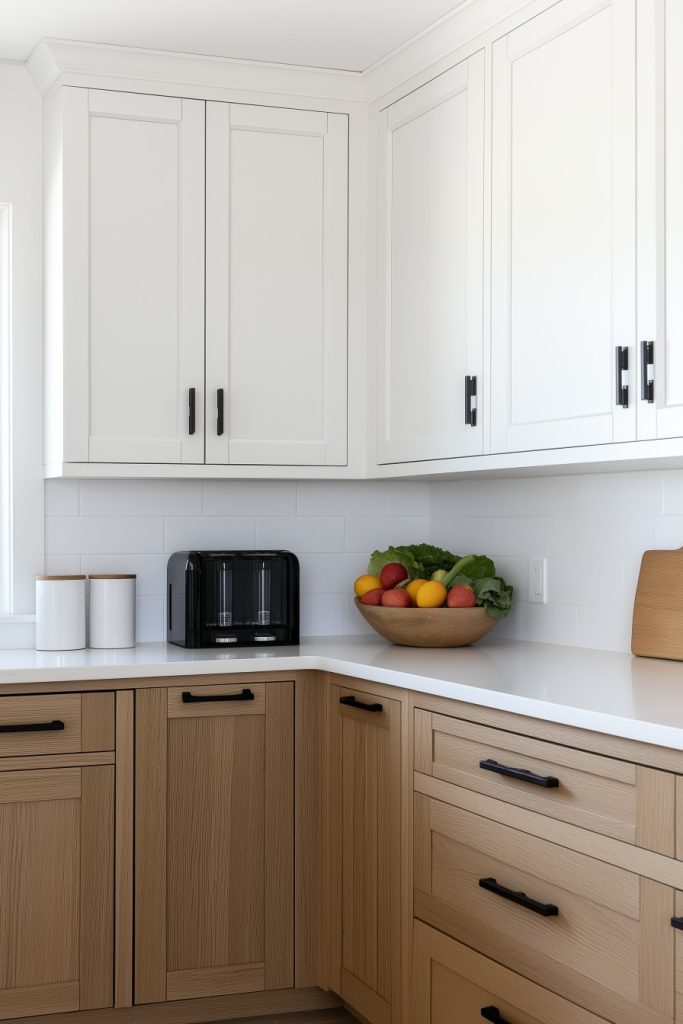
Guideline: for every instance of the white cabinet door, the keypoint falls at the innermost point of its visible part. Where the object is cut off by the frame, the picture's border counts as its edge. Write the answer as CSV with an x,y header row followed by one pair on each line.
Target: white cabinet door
x,y
660,223
276,287
563,219
133,227
431,267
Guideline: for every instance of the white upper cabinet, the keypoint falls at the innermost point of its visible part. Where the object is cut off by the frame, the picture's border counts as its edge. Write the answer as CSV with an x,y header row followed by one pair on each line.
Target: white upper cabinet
x,y
660,217
431,246
564,228
125,353
276,286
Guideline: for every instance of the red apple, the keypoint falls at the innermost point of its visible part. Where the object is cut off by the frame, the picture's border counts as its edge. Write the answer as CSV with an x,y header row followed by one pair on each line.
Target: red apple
x,y
461,596
372,596
391,574
396,599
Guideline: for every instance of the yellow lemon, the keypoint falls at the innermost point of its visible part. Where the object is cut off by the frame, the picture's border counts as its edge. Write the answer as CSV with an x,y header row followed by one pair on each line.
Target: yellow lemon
x,y
413,588
431,595
365,583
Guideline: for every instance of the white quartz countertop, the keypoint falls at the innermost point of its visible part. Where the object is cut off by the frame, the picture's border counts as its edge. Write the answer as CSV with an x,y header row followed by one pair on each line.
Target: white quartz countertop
x,y
617,694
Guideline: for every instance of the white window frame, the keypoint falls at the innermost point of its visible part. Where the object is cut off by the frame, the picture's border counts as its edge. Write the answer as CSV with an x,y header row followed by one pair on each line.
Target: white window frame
x,y
22,525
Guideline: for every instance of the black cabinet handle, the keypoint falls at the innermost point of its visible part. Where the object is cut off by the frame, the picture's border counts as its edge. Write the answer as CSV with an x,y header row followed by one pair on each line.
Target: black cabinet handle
x,y
192,425
647,375
621,364
351,702
195,698
677,922
471,401
220,401
543,909
523,774
55,726
492,1014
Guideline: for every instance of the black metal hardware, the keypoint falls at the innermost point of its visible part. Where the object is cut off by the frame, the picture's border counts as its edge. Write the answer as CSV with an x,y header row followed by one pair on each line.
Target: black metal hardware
x,y
677,922
220,411
523,774
351,702
492,1014
471,401
55,726
543,909
192,416
647,367
196,698
621,364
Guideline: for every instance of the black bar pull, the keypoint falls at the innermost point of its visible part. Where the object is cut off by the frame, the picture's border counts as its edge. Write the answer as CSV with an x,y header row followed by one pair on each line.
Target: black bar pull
x,y
471,401
543,909
677,922
523,774
647,374
351,702
55,726
621,363
220,412
193,406
196,698
492,1014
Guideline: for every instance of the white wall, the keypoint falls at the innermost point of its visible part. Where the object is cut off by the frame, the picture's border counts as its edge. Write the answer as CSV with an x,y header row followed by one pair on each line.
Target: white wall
x,y
116,526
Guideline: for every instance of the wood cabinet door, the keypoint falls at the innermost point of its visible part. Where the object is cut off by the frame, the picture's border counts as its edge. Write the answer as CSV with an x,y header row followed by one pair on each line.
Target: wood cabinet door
x,y
660,219
364,844
214,841
56,890
431,252
564,227
276,286
133,277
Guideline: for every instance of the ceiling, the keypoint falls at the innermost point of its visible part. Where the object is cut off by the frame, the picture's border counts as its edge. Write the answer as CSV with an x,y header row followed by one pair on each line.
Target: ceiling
x,y
347,34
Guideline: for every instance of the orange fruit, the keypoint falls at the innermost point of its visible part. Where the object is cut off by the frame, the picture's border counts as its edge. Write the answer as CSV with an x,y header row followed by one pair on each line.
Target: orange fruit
x,y
413,588
365,583
431,595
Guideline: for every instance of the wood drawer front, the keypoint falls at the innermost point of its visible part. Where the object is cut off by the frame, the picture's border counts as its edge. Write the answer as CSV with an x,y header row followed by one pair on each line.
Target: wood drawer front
x,y
85,723
615,798
611,946
448,975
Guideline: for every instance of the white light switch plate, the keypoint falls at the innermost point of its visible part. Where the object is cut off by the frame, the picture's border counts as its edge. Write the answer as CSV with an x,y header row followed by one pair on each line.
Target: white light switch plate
x,y
538,580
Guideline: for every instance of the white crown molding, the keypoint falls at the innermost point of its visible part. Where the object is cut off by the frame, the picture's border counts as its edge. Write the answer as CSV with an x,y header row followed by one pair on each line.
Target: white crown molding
x,y
59,62
433,49
14,75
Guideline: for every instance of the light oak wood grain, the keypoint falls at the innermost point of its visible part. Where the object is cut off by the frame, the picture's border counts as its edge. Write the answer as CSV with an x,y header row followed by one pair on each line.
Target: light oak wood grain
x,y
658,607
97,721
61,707
123,869
97,887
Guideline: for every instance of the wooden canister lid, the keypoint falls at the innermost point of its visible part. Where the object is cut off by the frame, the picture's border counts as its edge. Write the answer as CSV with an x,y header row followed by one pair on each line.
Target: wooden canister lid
x,y
113,576
60,577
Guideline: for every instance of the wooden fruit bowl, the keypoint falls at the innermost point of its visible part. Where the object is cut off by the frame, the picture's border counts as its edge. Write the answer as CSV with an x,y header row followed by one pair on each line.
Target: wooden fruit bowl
x,y
428,627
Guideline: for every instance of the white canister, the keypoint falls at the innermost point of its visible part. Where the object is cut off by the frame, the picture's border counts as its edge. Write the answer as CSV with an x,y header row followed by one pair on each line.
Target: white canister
x,y
112,610
60,613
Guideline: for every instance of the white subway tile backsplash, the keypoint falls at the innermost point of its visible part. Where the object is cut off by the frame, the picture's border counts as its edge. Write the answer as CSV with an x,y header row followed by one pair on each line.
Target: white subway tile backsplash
x,y
207,532
368,534
330,573
668,532
548,623
150,621
301,534
355,497
141,497
605,629
87,535
62,498
673,492
410,498
249,498
63,565
633,494
149,569
321,614
526,496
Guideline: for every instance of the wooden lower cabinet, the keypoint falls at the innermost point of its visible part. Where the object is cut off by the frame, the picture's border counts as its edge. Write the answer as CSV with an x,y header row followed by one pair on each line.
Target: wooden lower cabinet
x,y
214,840
364,851
56,890
456,985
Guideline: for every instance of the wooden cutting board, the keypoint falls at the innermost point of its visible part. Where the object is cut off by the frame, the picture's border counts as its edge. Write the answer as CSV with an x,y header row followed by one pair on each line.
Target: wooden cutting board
x,y
658,607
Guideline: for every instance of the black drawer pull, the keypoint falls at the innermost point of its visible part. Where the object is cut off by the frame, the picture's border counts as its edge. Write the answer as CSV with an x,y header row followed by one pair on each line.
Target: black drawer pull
x,y
192,411
523,774
492,1013
351,702
55,726
220,412
196,698
544,909
677,922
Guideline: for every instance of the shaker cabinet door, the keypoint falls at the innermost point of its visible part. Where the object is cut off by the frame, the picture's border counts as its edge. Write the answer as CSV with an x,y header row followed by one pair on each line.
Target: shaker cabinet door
x,y
431,250
276,286
563,222
133,252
